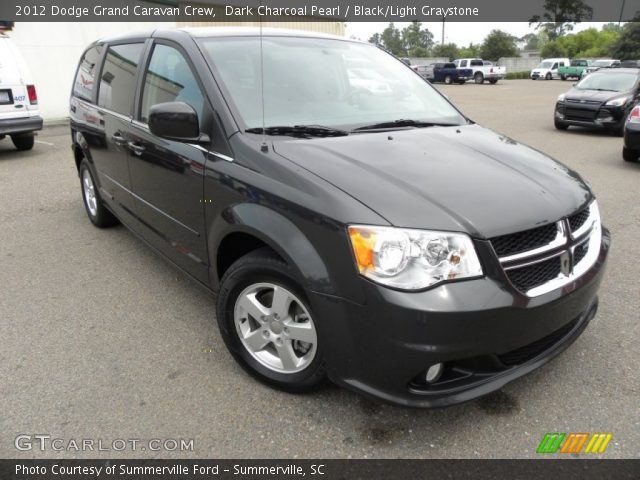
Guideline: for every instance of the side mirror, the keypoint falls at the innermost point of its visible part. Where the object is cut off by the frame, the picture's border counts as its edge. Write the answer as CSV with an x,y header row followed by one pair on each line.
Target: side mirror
x,y
175,121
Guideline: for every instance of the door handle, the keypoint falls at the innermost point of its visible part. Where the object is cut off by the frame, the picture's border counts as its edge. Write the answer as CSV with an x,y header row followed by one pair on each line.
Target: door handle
x,y
135,147
118,139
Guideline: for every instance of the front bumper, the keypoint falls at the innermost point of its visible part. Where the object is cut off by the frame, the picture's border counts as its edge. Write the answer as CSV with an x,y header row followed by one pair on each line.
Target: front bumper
x,y
9,126
597,116
486,334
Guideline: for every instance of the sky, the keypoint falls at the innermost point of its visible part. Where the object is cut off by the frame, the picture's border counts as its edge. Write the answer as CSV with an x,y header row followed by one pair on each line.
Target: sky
x,y
461,33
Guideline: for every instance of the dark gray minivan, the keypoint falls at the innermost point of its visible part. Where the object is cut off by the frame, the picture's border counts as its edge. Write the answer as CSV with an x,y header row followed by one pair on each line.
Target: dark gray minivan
x,y
353,224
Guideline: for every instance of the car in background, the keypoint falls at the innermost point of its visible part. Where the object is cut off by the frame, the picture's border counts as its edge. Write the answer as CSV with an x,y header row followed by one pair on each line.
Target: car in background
x,y
445,73
481,70
630,64
602,100
602,63
574,69
548,68
19,113
631,148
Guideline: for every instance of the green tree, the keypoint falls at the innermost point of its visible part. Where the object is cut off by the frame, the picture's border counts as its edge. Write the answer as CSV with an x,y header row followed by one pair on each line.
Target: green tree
x,y
471,51
553,49
531,41
447,50
415,37
498,44
390,39
627,47
560,15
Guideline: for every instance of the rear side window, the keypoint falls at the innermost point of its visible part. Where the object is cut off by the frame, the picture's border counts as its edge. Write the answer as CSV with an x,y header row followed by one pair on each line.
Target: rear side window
x,y
170,79
84,83
463,63
477,63
118,79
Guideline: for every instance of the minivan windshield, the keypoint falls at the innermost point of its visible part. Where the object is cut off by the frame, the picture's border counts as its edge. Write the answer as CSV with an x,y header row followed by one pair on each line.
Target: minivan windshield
x,y
608,81
316,81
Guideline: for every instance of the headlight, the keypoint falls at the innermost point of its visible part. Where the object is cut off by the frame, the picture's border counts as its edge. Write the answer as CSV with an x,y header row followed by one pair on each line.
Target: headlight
x,y
412,259
561,97
617,102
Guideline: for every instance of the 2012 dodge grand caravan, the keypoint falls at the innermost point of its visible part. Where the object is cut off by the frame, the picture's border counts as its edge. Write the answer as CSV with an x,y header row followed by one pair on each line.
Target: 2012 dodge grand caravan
x,y
376,237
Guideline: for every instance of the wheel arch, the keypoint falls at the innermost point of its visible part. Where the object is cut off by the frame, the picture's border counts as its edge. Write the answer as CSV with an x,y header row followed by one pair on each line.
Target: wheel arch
x,y
242,228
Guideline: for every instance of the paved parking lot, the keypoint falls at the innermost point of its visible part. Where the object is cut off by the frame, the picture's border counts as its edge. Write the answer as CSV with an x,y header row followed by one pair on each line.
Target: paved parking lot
x,y
102,339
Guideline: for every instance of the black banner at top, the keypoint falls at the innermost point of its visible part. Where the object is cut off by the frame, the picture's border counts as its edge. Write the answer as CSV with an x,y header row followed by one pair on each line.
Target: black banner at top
x,y
320,10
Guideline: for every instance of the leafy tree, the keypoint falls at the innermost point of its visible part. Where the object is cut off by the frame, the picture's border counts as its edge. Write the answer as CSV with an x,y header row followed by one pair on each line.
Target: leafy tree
x,y
414,36
531,41
391,40
376,40
627,47
553,49
447,50
418,52
471,51
560,16
498,44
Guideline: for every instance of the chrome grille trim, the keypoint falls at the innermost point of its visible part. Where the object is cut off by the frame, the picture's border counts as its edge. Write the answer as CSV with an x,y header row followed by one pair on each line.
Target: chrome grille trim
x,y
561,239
590,233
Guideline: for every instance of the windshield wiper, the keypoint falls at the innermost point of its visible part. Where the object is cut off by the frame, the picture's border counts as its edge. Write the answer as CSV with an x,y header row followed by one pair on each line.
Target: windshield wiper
x,y
402,123
303,131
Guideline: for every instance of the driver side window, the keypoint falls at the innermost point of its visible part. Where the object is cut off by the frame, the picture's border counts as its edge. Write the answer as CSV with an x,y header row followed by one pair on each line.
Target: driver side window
x,y
169,79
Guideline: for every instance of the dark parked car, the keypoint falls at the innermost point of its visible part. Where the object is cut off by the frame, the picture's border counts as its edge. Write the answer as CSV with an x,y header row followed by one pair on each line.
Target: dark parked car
x,y
602,100
371,238
630,64
446,73
631,148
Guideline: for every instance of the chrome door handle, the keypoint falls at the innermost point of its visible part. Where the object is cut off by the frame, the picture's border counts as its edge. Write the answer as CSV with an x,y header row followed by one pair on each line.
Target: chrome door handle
x,y
136,148
118,139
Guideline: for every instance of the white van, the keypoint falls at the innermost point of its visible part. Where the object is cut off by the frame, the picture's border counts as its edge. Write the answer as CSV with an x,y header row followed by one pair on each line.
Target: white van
x,y
19,114
548,68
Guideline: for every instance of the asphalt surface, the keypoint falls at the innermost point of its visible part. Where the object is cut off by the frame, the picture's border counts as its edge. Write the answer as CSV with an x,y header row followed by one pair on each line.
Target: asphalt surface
x,y
102,339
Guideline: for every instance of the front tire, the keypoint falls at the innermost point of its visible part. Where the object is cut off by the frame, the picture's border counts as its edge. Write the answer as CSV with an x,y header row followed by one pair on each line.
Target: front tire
x,y
448,80
493,81
267,324
99,215
560,125
478,78
23,142
548,76
630,155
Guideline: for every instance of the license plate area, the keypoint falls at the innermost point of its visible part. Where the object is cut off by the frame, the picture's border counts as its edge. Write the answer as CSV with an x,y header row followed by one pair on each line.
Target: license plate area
x,y
6,98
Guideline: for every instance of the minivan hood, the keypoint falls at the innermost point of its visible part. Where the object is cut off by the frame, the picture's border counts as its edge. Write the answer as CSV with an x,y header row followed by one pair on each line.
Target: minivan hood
x,y
465,178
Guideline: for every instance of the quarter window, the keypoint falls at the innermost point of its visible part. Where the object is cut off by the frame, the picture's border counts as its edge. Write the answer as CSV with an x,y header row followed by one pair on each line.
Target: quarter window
x,y
170,79
118,80
83,85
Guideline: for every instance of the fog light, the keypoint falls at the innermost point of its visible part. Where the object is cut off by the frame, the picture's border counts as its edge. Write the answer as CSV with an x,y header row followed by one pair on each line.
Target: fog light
x,y
433,373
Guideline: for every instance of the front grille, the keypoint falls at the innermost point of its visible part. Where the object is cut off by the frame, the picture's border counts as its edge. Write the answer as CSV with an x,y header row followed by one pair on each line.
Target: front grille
x,y
580,114
523,354
580,252
513,243
577,220
531,276
584,102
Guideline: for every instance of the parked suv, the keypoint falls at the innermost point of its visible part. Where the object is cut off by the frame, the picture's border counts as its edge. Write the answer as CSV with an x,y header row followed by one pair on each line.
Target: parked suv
x,y
19,114
382,240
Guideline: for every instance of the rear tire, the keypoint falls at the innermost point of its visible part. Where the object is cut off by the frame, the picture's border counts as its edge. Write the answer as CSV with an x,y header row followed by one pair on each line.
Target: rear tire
x,y
563,77
493,81
263,342
560,125
478,78
23,142
99,215
630,155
